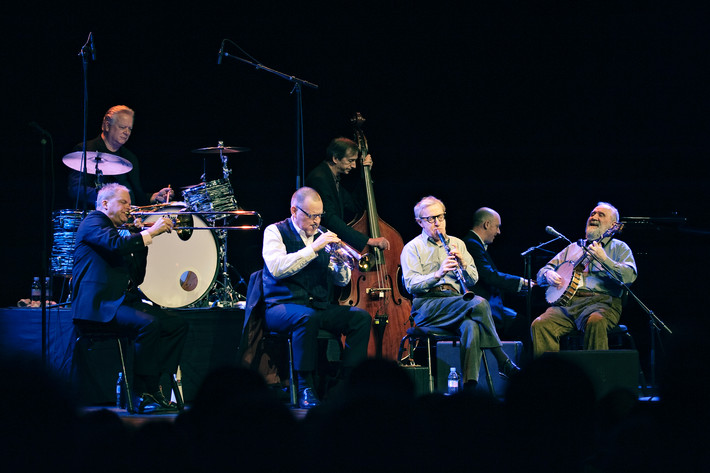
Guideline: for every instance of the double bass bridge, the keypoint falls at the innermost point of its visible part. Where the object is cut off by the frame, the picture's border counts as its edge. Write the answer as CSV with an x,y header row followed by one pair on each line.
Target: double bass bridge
x,y
376,293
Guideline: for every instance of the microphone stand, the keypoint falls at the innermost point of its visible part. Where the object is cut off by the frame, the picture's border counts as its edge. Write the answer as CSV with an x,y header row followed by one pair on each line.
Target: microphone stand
x,y
527,271
655,323
81,192
297,86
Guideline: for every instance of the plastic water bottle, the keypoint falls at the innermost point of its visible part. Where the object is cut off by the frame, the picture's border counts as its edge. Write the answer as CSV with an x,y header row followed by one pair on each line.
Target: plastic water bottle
x,y
36,293
120,399
453,381
48,288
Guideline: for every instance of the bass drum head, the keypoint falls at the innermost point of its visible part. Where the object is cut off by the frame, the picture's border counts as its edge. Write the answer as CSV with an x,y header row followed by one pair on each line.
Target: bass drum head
x,y
180,272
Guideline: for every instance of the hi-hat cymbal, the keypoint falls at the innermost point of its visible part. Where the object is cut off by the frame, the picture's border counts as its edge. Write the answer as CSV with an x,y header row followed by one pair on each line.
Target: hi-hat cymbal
x,y
220,149
108,164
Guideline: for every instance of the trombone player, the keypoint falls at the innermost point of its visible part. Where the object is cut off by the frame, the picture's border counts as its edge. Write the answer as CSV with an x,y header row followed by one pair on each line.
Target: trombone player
x,y
298,277
439,272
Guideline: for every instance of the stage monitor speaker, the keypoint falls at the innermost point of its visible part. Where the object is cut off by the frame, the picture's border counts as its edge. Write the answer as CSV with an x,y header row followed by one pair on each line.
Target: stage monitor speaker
x,y
448,354
607,369
420,377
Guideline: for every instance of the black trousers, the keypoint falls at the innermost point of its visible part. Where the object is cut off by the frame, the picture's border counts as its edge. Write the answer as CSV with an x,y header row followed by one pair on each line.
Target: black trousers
x,y
304,322
159,340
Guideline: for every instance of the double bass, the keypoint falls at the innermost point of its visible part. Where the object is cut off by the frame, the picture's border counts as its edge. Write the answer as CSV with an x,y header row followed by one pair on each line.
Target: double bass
x,y
374,284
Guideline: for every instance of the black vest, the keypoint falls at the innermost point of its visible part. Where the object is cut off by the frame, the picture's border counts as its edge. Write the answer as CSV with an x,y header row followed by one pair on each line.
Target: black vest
x,y
311,286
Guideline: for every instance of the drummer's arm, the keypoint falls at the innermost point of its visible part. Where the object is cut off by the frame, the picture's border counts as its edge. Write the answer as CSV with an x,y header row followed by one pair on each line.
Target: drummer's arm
x,y
161,196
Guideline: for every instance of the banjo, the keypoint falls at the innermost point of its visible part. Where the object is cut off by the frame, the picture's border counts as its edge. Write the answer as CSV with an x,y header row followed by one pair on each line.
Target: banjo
x,y
571,272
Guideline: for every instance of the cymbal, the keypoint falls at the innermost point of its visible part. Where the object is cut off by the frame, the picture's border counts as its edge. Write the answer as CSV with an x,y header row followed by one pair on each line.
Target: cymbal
x,y
109,164
220,149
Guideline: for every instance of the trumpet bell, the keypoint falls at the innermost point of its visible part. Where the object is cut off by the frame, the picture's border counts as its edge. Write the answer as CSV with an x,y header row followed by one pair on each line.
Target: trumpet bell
x,y
366,263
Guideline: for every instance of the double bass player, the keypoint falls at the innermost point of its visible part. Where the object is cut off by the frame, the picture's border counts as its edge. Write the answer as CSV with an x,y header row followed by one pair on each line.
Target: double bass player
x,y
374,285
341,158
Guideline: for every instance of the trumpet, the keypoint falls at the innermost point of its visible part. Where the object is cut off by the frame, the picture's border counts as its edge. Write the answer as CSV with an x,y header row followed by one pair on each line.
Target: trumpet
x,y
467,294
342,254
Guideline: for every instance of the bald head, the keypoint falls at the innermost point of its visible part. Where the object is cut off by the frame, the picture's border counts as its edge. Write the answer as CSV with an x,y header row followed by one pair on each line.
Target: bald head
x,y
486,224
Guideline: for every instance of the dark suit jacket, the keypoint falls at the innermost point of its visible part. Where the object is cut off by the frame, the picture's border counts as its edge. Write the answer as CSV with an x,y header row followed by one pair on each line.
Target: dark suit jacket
x,y
336,205
491,282
105,263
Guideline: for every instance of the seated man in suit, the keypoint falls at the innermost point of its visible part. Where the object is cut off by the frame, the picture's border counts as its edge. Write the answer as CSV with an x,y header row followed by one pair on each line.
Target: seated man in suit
x,y
492,283
108,268
298,280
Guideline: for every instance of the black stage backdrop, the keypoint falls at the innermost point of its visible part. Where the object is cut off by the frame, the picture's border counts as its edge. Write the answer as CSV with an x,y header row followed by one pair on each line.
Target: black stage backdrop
x,y
537,109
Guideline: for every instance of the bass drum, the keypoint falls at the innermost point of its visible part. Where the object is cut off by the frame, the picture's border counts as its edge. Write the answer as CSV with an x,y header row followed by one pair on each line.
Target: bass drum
x,y
180,271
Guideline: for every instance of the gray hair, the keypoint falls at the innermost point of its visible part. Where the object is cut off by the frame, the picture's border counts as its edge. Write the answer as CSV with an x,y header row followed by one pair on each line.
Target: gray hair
x,y
613,209
108,191
111,113
426,202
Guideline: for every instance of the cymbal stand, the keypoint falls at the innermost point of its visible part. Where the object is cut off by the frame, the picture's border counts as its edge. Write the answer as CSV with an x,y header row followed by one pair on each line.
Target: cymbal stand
x,y
226,295
223,157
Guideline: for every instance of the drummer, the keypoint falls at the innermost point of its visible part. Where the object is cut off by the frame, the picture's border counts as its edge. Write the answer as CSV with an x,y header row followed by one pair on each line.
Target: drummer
x,y
116,128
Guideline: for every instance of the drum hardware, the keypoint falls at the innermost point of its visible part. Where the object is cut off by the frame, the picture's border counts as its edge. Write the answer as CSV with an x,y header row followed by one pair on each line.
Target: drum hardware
x,y
98,163
222,151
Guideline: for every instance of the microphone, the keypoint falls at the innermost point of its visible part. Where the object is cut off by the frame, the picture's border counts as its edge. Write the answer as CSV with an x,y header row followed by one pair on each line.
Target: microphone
x,y
91,46
220,54
36,126
553,232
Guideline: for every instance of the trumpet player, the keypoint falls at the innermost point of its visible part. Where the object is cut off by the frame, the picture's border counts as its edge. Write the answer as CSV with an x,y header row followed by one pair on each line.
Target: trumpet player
x,y
298,278
439,272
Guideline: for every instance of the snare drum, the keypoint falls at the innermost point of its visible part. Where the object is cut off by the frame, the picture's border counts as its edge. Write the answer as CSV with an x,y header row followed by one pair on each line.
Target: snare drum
x,y
65,224
180,272
211,196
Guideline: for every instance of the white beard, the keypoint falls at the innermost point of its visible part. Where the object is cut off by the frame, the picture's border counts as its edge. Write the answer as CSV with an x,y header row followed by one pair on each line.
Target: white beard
x,y
594,233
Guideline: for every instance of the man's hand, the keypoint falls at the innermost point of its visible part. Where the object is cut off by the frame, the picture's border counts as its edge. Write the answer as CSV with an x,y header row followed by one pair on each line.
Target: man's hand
x,y
380,242
162,225
554,279
323,240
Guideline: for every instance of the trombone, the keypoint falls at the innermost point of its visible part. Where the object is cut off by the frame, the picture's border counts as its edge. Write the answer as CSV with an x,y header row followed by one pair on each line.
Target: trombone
x,y
182,220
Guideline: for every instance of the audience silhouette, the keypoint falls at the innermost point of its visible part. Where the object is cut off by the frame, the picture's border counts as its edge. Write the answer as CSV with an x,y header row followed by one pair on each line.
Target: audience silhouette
x,y
549,420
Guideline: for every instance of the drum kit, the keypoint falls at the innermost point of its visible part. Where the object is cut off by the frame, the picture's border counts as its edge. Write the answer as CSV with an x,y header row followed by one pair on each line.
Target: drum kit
x,y
187,267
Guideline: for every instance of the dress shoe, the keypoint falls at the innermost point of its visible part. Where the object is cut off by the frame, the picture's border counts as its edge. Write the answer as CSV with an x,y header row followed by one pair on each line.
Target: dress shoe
x,y
160,398
154,403
508,370
307,398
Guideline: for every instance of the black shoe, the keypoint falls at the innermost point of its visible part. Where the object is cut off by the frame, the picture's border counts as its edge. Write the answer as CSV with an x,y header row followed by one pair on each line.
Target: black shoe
x,y
156,403
508,370
307,398
160,398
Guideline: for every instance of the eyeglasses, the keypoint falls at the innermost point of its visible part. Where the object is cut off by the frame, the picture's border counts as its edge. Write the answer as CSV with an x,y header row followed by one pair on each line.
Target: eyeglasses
x,y
440,218
311,216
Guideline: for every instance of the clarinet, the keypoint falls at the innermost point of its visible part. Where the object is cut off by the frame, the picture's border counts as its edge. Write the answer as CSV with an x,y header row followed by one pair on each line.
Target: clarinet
x,y
467,295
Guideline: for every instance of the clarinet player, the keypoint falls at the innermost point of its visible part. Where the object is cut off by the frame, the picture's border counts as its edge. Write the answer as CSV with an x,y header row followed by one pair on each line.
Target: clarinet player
x,y
439,272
